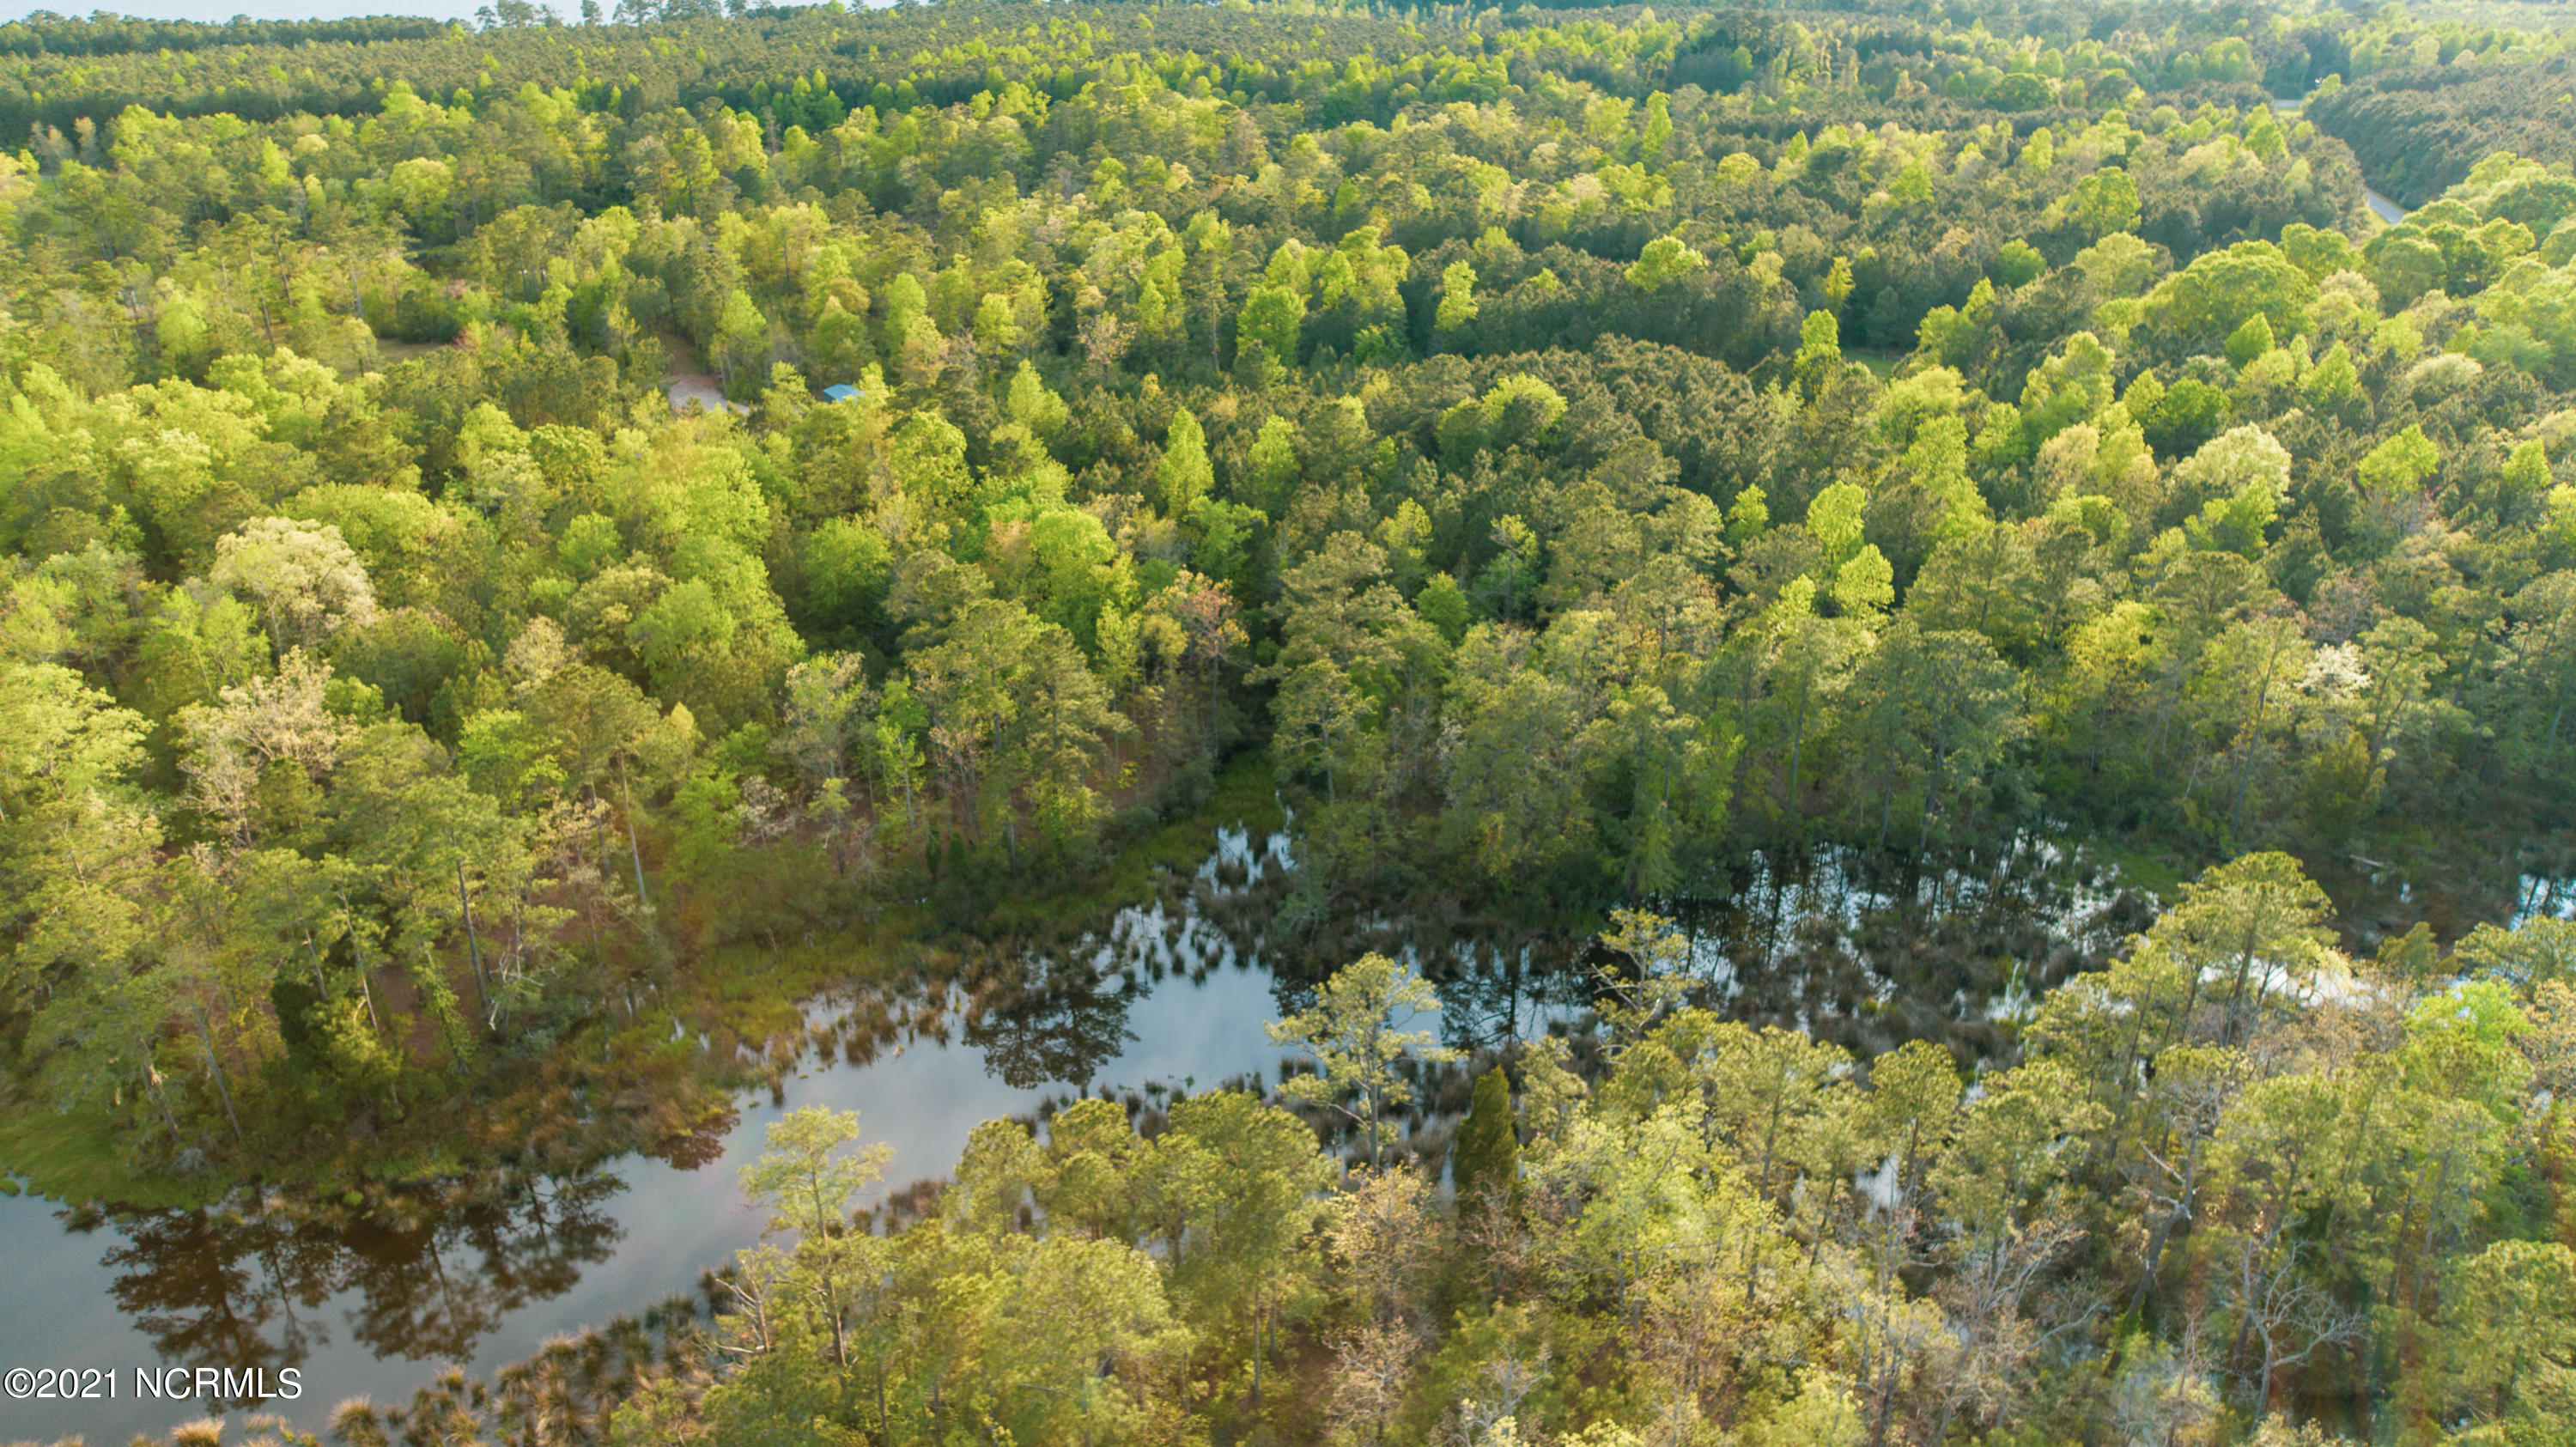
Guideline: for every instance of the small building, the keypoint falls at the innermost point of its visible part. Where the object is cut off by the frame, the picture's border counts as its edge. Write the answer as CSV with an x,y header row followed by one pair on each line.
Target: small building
x,y
840,392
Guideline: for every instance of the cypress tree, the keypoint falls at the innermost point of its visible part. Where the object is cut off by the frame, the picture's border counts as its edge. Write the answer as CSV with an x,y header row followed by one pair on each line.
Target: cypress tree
x,y
1489,1147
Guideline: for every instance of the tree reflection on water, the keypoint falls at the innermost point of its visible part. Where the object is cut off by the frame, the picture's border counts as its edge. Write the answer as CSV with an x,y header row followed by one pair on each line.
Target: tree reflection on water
x,y
255,1283
1839,945
1049,1017
1860,951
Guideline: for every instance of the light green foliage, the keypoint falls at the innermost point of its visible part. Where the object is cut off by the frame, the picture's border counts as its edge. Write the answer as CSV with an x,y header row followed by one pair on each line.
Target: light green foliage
x,y
1457,297
905,301
1748,517
2209,299
2009,1148
2462,1043
2318,253
503,755
1271,463
2400,462
2526,476
1654,980
1443,605
2244,476
1834,516
73,846
1938,461
846,570
1183,476
2017,262
2515,1350
1247,1176
807,1177
2119,265
1664,260
1865,584
1034,405
2258,922
2105,203
1356,1037
2252,340
1820,350
2533,953
1520,409
1914,399
1272,315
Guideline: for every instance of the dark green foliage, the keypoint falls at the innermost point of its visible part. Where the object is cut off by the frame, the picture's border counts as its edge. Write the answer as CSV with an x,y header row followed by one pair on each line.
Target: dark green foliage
x,y
2417,131
1487,1157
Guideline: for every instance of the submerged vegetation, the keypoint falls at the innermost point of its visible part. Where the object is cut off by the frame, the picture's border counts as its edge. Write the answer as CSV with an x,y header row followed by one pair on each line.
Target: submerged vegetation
x,y
534,549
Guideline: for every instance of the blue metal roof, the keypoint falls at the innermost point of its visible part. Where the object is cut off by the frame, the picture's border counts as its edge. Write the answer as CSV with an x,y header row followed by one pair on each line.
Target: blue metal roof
x,y
839,392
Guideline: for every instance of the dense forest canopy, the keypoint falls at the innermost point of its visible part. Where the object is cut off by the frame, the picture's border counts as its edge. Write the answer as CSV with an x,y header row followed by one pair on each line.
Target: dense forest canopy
x,y
506,523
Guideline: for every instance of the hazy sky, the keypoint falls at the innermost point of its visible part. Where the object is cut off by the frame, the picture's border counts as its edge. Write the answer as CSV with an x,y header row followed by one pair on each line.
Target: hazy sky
x,y
218,11
215,12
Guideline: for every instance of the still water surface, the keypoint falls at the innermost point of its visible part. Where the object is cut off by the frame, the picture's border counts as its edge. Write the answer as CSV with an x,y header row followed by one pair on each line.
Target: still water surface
x,y
1172,992
375,1310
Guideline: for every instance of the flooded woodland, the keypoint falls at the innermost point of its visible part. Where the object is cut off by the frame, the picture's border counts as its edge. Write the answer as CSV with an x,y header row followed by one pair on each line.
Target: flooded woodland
x,y
434,1286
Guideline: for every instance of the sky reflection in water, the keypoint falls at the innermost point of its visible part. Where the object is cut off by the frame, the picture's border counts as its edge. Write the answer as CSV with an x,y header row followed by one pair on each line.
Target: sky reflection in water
x,y
378,1310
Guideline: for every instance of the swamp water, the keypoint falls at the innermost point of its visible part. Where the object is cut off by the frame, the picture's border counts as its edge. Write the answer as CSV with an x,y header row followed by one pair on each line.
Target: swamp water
x,y
1167,993
378,1310
1160,998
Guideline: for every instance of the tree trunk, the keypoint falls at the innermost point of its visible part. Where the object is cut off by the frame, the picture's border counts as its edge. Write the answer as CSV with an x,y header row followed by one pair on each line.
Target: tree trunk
x,y
1886,1397
1931,795
206,1039
2245,1309
2164,1229
626,799
1212,675
2396,1262
358,953
473,946
1256,1359
2254,737
1797,740
160,1097
1371,1097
